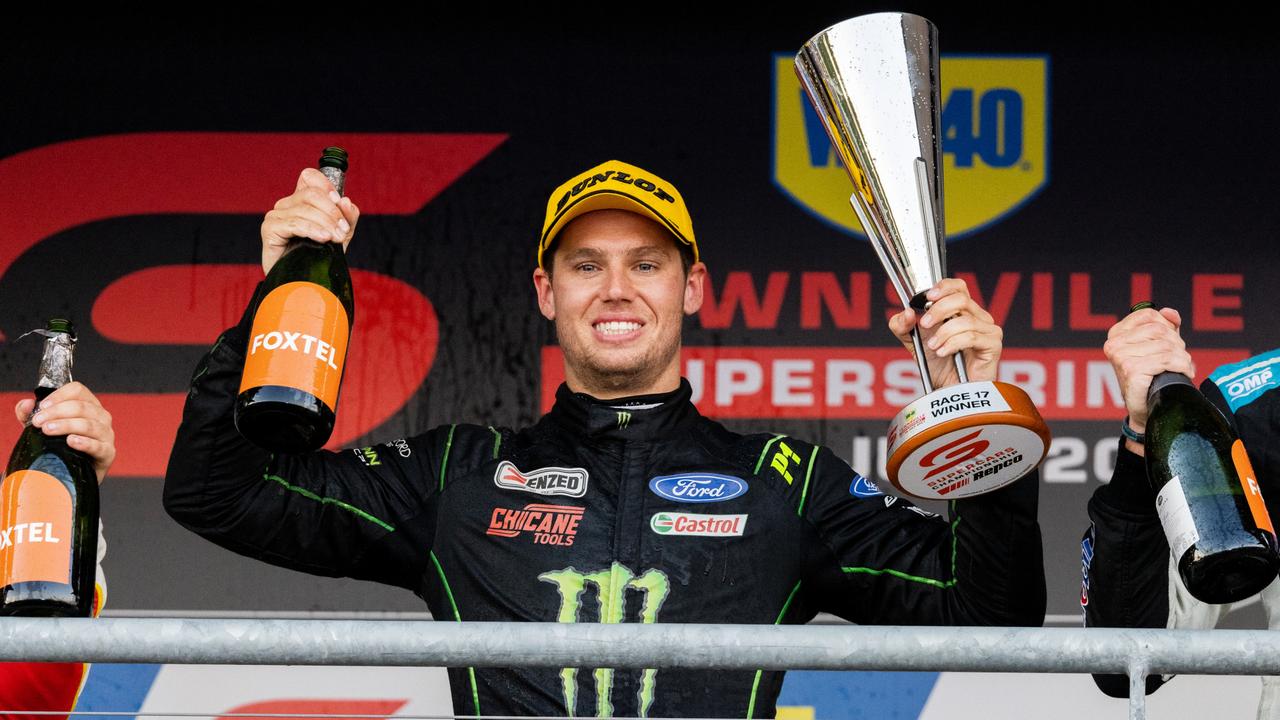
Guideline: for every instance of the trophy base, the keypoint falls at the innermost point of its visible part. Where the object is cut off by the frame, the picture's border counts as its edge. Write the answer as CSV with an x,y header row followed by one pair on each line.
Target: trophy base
x,y
965,440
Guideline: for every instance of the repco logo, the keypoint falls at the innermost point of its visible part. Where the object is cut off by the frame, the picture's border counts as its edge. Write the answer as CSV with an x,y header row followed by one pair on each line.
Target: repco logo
x,y
1250,383
614,176
297,342
993,131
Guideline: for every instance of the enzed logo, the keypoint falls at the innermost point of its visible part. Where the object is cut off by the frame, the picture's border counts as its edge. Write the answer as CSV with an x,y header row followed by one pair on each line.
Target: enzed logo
x,y
697,487
611,587
994,131
690,524
569,482
549,524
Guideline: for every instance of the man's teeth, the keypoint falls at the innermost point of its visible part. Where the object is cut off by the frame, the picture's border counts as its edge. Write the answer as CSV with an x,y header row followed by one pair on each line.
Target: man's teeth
x,y
617,327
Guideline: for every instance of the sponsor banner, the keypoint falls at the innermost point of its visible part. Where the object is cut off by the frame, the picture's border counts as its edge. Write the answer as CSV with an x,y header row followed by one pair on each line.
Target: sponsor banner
x,y
697,487
994,128
861,383
691,524
569,482
548,524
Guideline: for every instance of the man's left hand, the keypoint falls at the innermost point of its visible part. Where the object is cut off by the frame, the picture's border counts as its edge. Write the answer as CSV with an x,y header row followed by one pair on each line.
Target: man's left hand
x,y
72,410
953,323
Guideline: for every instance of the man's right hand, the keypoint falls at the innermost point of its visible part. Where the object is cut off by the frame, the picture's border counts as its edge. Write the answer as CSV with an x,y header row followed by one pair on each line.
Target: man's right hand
x,y
1141,346
314,211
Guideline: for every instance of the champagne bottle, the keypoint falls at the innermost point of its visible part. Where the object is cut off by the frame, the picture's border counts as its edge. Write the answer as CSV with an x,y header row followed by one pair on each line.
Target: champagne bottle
x,y
49,509
297,347
1207,495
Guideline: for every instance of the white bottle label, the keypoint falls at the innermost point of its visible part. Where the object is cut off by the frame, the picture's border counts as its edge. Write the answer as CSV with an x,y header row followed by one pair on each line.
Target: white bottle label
x,y
1175,518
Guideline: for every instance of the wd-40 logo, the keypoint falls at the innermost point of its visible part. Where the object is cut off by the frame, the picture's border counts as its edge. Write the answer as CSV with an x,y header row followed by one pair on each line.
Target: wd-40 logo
x,y
994,131
604,596
570,482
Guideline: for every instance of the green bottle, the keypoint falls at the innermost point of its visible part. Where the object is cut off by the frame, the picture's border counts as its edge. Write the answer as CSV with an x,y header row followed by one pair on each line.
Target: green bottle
x,y
49,509
298,345
1207,494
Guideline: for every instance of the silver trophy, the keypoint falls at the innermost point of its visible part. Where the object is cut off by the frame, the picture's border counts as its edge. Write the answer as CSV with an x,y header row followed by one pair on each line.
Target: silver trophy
x,y
874,82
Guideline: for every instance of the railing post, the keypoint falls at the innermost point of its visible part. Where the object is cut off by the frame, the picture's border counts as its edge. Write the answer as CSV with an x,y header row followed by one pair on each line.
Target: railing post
x,y
1138,691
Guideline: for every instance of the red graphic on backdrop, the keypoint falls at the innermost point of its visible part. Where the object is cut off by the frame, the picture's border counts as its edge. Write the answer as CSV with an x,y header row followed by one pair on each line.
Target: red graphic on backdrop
x,y
322,709
53,188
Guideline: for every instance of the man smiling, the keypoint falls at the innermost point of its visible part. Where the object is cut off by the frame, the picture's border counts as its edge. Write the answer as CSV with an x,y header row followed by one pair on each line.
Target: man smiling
x,y
623,503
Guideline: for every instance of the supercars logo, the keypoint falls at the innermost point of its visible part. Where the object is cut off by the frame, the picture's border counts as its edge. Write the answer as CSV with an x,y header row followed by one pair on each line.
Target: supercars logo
x,y
994,131
569,482
690,524
549,524
697,487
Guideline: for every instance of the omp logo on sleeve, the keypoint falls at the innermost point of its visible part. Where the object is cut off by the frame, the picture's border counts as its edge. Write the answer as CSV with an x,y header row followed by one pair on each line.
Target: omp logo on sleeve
x,y
1243,382
570,482
994,128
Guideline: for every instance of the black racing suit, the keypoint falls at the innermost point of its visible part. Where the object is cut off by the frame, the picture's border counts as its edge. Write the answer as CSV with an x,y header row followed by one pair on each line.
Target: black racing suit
x,y
588,517
1130,577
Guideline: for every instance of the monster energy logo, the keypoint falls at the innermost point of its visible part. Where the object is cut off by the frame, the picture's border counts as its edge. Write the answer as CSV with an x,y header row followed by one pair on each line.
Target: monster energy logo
x,y
611,595
624,419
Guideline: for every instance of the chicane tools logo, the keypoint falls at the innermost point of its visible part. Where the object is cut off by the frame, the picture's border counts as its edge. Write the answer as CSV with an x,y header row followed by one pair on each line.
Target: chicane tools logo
x,y
549,524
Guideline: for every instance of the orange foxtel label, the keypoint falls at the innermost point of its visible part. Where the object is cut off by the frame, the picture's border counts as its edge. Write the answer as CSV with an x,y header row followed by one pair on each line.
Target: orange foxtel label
x,y
35,529
299,340
1251,492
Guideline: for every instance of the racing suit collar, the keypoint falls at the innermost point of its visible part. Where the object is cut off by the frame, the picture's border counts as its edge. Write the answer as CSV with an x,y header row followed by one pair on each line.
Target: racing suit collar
x,y
640,417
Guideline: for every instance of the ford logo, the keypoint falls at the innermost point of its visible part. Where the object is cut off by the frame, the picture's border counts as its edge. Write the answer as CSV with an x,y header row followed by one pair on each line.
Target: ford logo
x,y
697,487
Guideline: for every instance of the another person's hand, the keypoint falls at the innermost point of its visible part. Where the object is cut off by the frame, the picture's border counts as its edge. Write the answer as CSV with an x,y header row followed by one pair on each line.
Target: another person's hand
x,y
1139,347
953,323
314,211
73,411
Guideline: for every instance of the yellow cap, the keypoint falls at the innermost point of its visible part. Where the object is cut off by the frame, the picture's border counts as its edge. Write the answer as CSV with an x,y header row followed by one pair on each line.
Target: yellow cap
x,y
615,185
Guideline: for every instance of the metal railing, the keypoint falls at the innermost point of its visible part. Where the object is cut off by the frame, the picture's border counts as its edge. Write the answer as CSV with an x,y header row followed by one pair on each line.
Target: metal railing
x,y
1135,653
